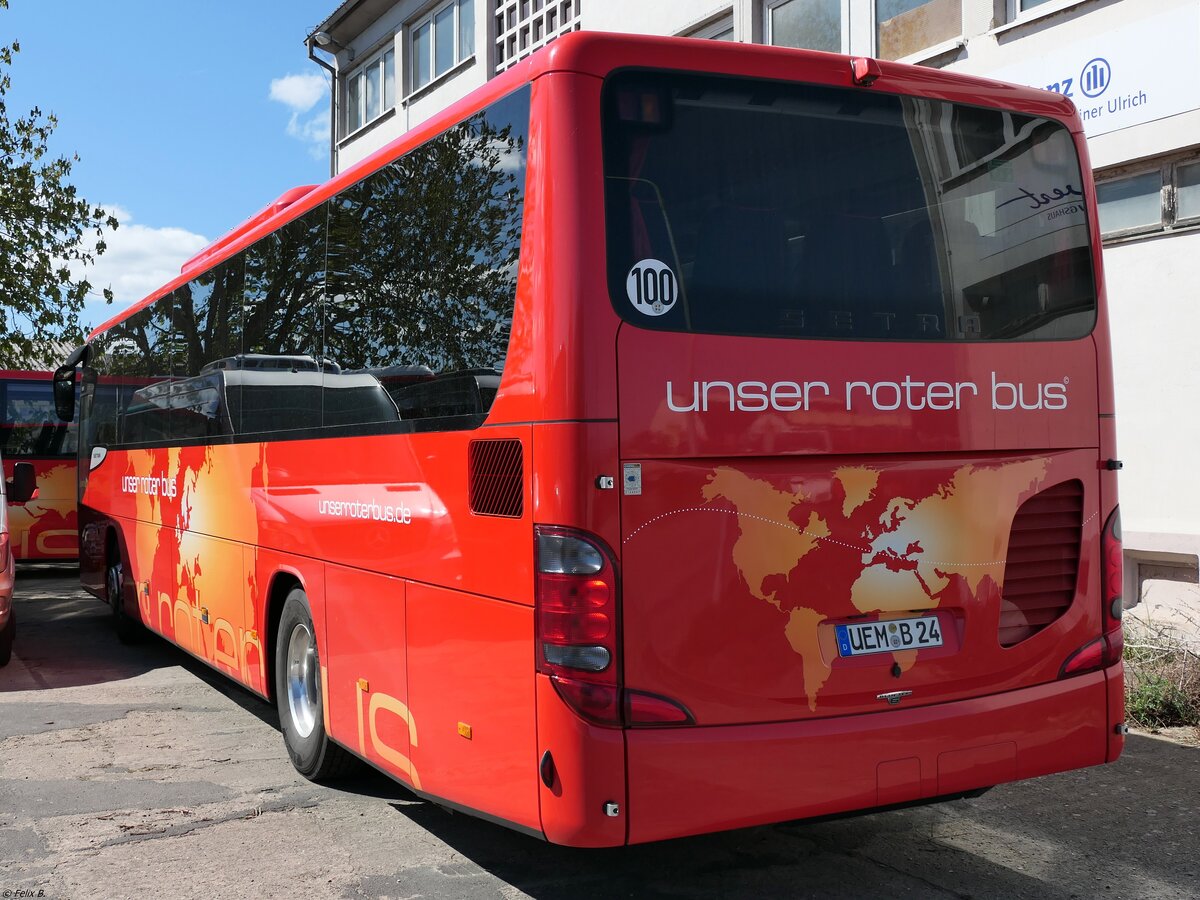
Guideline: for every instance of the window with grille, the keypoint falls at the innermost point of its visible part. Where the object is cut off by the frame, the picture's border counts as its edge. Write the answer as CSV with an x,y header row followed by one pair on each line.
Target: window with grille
x,y
523,26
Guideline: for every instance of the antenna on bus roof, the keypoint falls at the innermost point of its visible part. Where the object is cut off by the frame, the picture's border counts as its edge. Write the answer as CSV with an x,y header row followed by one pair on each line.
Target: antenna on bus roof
x,y
282,202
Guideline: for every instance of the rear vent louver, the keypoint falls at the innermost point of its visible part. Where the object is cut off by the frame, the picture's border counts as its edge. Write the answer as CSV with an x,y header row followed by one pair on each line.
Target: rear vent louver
x,y
497,478
1043,561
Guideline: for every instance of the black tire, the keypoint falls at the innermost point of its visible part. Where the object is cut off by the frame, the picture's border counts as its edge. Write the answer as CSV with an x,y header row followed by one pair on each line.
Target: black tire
x,y
128,630
298,696
8,635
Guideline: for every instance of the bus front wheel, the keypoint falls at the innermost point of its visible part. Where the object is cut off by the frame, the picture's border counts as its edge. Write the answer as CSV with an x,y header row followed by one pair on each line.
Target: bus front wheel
x,y
298,686
128,630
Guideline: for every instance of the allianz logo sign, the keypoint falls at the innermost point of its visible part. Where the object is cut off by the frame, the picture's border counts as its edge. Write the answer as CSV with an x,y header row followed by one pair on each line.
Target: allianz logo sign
x,y
1094,79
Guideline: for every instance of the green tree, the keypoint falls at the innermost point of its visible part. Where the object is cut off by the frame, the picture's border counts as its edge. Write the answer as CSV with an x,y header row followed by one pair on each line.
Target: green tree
x,y
45,228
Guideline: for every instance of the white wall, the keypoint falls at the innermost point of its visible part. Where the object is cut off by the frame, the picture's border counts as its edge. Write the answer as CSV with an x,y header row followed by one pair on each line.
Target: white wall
x,y
1155,314
643,17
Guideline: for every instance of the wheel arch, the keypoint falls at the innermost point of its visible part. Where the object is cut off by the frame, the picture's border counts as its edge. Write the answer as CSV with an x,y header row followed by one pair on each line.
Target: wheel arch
x,y
283,582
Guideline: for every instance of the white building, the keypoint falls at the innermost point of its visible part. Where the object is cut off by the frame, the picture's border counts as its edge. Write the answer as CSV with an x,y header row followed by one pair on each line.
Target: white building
x,y
398,62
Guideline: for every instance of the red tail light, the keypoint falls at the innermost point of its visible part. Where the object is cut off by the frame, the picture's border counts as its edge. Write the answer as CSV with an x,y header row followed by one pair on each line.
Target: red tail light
x,y
3,548
1105,650
576,614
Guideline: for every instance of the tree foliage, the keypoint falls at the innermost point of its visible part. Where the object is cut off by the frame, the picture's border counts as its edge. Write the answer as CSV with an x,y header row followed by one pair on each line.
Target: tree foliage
x,y
46,229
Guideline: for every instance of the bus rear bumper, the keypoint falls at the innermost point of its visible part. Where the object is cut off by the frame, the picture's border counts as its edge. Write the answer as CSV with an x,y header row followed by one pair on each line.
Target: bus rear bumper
x,y
697,780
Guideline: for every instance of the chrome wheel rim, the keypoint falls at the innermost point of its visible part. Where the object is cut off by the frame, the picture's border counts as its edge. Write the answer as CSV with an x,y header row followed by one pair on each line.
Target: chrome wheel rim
x,y
304,693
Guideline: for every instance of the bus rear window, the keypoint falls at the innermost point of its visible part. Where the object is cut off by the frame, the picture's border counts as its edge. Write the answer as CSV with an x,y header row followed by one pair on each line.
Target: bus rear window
x,y
794,210
30,427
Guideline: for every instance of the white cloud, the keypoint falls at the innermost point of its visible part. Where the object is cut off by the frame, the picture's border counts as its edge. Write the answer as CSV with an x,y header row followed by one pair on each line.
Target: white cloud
x,y
139,259
300,93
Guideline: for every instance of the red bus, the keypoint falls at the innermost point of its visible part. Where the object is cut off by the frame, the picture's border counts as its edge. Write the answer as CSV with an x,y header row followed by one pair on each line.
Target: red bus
x,y
44,528
671,436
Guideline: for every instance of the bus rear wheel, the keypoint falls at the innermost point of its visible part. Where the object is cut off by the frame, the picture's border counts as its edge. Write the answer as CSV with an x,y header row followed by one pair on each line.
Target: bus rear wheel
x,y
298,694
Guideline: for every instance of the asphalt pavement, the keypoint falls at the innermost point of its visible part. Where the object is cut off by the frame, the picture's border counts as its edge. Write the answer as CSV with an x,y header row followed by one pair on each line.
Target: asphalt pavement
x,y
138,772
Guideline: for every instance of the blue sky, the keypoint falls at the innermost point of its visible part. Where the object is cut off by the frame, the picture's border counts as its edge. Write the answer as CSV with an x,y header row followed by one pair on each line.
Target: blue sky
x,y
187,117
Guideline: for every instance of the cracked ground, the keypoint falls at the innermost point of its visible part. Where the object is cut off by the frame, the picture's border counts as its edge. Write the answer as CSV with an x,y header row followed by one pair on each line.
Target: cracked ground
x,y
138,772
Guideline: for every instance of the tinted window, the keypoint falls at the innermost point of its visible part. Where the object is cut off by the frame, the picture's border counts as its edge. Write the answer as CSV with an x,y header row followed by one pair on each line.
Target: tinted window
x,y
30,426
139,355
387,308
428,310
762,208
281,342
208,328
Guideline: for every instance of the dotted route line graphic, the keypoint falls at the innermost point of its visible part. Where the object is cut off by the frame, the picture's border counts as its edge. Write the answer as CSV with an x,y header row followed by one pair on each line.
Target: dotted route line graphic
x,y
791,526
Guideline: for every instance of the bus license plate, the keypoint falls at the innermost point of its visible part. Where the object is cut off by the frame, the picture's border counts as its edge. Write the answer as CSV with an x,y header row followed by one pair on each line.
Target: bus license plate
x,y
887,637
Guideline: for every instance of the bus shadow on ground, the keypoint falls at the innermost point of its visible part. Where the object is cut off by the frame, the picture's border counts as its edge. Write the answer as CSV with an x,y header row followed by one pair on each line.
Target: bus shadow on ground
x,y
65,637
1082,833
830,859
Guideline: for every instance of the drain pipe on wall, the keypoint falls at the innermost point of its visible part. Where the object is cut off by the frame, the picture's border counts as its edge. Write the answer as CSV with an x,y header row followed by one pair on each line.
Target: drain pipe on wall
x,y
333,93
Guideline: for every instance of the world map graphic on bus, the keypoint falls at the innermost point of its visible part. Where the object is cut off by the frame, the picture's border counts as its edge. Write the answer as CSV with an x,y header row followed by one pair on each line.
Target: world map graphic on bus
x,y
870,547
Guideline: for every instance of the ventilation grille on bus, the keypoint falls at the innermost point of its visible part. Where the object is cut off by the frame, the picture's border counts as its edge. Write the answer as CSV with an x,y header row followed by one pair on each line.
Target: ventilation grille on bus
x,y
497,476
1043,561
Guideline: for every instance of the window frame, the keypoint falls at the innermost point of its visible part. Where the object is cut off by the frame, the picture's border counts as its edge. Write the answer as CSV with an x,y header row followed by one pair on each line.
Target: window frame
x,y
720,24
1169,219
359,74
427,19
1014,14
770,5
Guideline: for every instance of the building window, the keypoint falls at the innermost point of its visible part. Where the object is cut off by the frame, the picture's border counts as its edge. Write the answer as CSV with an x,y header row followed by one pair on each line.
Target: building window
x,y
905,27
1162,199
522,26
371,90
808,24
1187,191
1017,8
718,30
441,40
1130,204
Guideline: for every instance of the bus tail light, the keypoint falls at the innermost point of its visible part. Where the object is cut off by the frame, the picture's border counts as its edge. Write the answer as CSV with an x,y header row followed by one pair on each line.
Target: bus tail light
x,y
577,620
575,610
650,709
1112,572
1105,650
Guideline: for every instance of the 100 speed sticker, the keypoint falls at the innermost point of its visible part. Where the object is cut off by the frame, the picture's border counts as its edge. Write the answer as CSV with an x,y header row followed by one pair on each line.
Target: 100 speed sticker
x,y
652,287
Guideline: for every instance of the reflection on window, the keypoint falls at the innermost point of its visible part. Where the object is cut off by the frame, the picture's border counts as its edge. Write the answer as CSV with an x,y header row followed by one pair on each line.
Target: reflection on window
x,y
441,40
371,90
864,216
386,308
906,27
30,426
428,310
1133,202
808,24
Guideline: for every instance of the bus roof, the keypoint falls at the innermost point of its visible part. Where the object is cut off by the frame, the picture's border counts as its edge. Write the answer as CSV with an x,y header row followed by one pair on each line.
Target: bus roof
x,y
600,53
